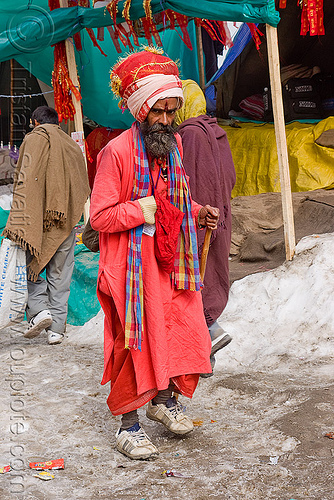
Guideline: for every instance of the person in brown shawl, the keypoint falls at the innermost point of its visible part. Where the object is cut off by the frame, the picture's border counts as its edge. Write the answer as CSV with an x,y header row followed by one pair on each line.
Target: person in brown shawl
x,y
50,190
208,163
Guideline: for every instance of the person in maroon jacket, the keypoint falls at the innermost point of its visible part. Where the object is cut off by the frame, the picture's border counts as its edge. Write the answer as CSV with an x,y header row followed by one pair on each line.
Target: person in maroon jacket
x,y
208,163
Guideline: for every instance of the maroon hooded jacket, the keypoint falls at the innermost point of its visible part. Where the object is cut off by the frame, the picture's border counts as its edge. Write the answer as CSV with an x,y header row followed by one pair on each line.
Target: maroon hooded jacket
x,y
208,162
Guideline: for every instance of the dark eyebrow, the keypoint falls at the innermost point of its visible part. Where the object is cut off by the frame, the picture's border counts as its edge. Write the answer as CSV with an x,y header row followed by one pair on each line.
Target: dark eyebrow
x,y
161,110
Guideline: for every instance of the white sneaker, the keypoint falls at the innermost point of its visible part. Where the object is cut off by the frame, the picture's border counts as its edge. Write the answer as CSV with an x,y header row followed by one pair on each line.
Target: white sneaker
x,y
55,338
37,324
172,417
135,444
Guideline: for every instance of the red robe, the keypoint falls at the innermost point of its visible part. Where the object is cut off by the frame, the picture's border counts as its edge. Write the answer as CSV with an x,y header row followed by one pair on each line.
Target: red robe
x,y
176,344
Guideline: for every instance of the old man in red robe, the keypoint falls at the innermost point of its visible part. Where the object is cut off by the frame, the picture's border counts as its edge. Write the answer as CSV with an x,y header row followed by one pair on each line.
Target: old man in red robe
x,y
156,341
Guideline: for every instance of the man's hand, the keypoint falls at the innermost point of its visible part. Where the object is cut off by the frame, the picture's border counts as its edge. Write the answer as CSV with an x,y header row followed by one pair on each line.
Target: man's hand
x,y
208,216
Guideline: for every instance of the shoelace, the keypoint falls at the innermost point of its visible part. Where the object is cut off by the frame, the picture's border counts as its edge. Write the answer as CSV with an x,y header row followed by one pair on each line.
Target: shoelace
x,y
177,409
138,435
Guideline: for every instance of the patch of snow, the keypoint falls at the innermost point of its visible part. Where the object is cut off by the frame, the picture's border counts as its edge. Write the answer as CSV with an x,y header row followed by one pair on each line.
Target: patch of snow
x,y
285,312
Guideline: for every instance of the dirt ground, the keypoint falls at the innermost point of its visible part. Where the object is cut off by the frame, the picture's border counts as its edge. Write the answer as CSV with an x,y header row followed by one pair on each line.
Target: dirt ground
x,y
261,435
257,230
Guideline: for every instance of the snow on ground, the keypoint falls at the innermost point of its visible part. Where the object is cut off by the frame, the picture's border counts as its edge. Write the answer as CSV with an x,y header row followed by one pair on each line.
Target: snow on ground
x,y
288,311
90,333
261,418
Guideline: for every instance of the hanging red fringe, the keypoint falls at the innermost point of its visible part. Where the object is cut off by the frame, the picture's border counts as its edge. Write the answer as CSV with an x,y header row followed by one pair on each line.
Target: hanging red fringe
x,y
174,18
93,39
54,4
217,30
312,18
63,85
313,14
256,34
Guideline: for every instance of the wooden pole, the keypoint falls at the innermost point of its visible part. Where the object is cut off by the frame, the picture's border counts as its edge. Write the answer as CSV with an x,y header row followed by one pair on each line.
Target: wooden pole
x,y
282,149
205,251
11,109
200,57
72,70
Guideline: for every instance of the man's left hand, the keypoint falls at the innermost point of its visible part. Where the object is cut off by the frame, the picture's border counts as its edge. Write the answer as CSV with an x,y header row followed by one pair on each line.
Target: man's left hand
x,y
208,216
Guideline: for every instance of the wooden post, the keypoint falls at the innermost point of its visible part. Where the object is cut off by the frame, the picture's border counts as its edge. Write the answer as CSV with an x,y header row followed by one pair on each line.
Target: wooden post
x,y
72,70
282,149
200,57
11,108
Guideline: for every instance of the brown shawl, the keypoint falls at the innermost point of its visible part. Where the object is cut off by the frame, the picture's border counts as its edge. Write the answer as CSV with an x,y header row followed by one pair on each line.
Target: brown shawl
x,y
50,190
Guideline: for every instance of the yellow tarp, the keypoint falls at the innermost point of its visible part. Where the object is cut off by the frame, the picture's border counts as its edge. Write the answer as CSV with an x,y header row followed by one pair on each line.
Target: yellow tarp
x,y
255,157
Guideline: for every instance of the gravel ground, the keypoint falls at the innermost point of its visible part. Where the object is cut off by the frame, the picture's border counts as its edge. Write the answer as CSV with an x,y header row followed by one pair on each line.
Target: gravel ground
x,y
260,434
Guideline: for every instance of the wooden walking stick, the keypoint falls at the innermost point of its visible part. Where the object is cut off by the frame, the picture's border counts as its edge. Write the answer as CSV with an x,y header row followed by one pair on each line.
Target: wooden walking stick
x,y
205,251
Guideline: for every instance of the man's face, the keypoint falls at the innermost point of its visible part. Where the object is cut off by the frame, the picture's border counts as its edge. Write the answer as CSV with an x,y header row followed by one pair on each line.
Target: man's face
x,y
163,111
157,129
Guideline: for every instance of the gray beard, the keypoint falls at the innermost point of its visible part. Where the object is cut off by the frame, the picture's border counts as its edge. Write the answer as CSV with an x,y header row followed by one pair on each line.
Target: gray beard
x,y
158,144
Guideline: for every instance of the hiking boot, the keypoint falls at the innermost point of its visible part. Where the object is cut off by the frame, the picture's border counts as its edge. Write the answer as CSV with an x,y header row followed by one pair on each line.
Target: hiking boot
x,y
55,338
135,443
37,324
171,415
219,338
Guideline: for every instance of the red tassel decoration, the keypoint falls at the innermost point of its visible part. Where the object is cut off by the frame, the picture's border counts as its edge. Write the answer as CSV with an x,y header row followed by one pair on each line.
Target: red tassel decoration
x,y
256,33
63,85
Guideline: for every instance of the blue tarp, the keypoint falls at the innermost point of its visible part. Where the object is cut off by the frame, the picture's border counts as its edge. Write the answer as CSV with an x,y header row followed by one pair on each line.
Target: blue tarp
x,y
242,38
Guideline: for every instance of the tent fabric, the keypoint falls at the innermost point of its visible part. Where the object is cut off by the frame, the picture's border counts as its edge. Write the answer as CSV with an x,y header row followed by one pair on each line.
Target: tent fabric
x,y
30,27
83,303
98,101
248,74
242,38
255,158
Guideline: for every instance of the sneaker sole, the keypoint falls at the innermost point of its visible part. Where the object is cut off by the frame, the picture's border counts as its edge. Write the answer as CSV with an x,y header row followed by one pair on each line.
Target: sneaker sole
x,y
37,329
151,456
222,343
180,433
53,342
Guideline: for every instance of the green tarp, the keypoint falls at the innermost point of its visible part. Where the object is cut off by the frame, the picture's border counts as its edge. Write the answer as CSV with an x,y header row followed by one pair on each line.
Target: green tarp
x,y
98,101
28,28
83,304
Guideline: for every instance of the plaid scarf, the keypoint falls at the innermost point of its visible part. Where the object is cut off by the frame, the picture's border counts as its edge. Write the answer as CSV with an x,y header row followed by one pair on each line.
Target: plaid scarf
x,y
186,271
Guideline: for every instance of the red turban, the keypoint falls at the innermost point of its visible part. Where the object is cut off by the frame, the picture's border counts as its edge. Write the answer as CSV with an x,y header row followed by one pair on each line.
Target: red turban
x,y
143,78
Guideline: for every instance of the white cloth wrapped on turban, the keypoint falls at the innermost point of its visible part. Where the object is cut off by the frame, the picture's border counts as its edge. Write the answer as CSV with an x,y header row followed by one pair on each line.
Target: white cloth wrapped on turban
x,y
148,90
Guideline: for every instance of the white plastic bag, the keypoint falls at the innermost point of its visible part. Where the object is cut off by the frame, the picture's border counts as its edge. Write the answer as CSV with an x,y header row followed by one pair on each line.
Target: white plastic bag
x,y
13,283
